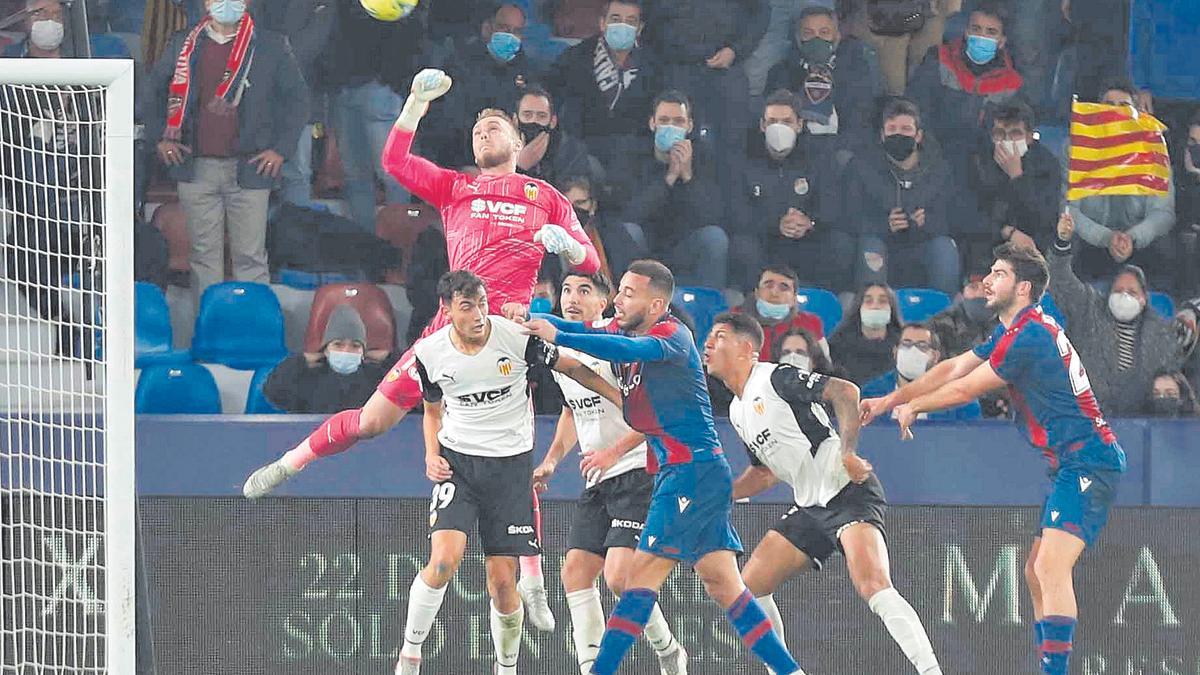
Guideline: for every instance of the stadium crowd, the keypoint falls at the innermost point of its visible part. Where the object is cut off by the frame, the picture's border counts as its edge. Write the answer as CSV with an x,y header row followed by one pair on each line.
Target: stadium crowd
x,y
758,147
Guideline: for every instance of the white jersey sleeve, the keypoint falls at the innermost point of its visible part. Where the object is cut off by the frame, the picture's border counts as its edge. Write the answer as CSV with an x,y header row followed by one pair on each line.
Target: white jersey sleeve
x,y
786,428
598,422
487,411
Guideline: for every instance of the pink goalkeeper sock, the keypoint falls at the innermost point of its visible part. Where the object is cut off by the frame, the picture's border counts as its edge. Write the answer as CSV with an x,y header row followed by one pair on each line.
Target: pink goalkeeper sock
x,y
531,566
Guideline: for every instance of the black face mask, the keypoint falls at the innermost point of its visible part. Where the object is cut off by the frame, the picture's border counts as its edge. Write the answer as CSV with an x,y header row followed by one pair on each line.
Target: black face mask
x,y
530,130
977,310
1165,406
899,147
583,215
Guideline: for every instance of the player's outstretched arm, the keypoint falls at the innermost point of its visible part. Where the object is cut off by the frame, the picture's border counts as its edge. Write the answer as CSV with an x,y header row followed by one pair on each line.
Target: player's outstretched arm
x,y
842,395
427,85
588,378
565,438
957,392
938,376
754,480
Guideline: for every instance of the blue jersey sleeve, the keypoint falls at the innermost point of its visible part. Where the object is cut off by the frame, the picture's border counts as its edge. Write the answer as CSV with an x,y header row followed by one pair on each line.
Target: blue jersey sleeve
x,y
565,326
1016,354
666,341
984,351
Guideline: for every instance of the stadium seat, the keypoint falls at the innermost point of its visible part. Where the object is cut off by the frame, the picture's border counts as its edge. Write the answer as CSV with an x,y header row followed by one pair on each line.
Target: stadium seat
x,y
703,304
181,389
1162,303
920,304
256,402
823,303
152,329
240,325
399,225
368,300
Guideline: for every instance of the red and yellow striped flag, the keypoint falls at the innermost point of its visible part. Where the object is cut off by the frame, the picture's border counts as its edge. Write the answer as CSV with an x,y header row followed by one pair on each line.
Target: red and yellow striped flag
x,y
1115,150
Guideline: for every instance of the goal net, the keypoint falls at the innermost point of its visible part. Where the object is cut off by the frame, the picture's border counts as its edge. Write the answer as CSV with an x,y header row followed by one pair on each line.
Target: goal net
x,y
66,366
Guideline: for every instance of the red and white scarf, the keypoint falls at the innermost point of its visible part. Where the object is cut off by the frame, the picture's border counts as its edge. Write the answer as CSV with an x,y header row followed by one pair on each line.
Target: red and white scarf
x,y
229,90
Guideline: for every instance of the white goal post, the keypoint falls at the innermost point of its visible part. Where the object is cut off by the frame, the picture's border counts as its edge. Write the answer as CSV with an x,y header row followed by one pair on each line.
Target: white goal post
x,y
67,493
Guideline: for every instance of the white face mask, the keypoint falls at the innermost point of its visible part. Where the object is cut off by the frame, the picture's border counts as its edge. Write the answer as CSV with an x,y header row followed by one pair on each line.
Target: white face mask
x,y
46,34
1124,307
875,318
797,359
911,362
781,138
1020,147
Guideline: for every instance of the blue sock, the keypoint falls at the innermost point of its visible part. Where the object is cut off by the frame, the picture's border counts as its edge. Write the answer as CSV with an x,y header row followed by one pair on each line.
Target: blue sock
x,y
1039,634
754,627
1058,633
628,619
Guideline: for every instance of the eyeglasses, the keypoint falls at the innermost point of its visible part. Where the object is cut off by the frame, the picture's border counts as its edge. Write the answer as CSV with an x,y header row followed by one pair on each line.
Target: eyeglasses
x,y
922,345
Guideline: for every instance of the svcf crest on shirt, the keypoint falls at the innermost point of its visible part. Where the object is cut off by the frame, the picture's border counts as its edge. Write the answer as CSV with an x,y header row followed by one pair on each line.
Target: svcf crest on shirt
x,y
504,364
531,191
759,406
393,375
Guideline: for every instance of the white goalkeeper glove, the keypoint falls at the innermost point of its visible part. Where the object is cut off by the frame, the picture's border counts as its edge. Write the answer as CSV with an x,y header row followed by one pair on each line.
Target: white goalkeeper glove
x,y
557,241
427,85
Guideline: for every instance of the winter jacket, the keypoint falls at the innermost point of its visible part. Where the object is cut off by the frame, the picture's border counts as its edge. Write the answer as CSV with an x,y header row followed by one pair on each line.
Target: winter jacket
x,y
587,104
690,31
296,387
666,213
1029,202
1144,218
863,359
874,186
856,83
567,157
1093,331
770,187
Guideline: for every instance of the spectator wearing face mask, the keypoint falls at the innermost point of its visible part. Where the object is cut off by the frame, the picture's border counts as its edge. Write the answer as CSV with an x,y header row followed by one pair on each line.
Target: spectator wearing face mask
x,y
489,71
919,350
605,84
865,341
595,223
668,195
786,212
960,80
44,29
1017,182
1126,229
899,50
338,377
774,306
1171,396
1121,341
550,153
899,195
800,348
967,322
835,76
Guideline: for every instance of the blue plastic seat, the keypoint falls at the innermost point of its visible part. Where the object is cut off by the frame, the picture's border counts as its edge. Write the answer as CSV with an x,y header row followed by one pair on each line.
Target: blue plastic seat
x,y
823,303
1162,303
240,325
256,402
920,304
153,338
702,304
181,389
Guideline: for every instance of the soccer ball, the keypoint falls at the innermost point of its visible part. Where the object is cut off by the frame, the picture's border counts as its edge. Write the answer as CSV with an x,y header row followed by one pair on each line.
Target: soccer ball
x,y
389,10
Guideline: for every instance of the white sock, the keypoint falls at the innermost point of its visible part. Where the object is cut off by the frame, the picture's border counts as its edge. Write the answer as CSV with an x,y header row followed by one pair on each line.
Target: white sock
x,y
658,632
423,605
587,625
767,602
902,622
506,638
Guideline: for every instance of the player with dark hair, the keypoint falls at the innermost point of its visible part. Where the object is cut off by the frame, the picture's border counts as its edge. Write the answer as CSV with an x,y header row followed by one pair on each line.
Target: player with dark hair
x,y
499,225
612,509
780,413
478,431
1030,353
663,385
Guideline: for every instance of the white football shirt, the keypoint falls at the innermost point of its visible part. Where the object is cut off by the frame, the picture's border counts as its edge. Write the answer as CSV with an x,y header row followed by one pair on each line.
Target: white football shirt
x,y
598,421
786,429
488,411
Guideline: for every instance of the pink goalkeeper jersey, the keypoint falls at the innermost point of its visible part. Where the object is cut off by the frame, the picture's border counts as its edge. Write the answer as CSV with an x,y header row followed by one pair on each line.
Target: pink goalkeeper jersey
x,y
489,220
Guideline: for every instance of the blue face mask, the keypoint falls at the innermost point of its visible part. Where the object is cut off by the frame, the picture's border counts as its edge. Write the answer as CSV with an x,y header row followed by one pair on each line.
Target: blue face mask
x,y
770,310
981,49
541,306
504,46
620,36
666,136
227,12
343,363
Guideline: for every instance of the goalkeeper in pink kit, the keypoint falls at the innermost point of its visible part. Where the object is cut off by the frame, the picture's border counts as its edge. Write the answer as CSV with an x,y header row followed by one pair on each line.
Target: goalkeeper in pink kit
x,y
498,225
